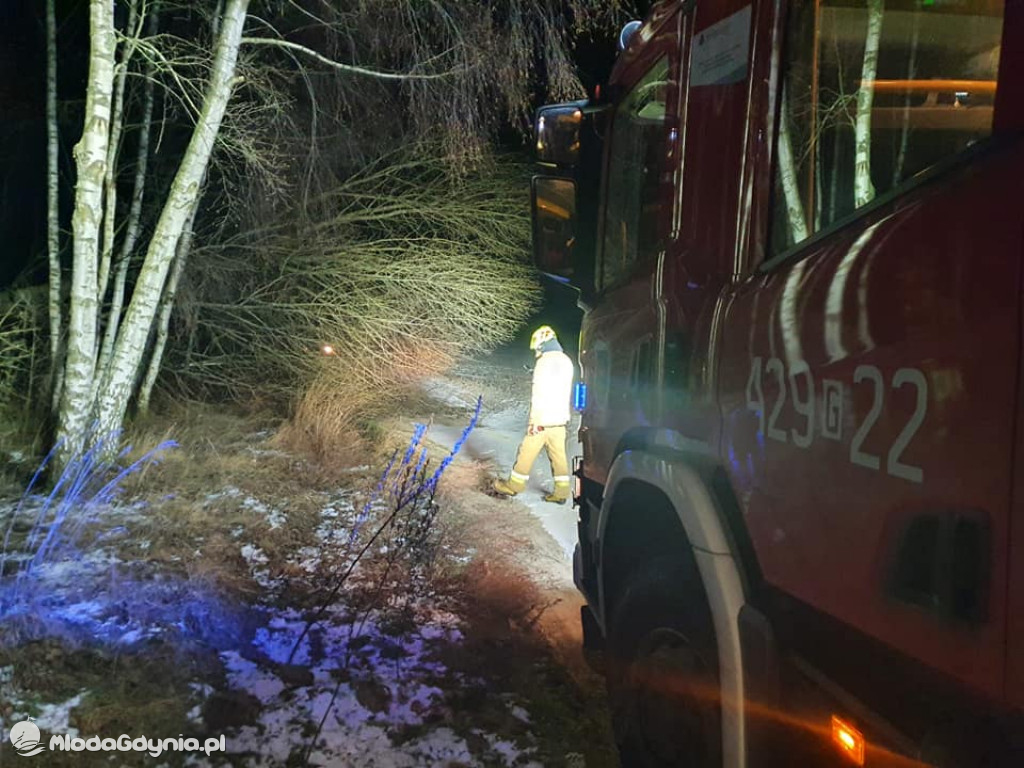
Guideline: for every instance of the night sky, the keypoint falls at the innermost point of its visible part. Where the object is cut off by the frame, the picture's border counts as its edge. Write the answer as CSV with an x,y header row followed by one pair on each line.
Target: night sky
x,y
22,135
23,127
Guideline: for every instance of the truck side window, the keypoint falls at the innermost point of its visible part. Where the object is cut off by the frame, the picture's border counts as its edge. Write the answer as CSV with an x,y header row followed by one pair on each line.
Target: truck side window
x,y
635,206
873,93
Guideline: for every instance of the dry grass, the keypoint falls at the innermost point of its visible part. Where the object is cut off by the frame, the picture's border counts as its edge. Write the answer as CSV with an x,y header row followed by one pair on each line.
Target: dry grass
x,y
212,448
197,494
23,361
326,421
329,422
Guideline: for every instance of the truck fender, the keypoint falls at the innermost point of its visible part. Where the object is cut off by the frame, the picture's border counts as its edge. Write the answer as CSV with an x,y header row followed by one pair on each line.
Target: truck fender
x,y
717,563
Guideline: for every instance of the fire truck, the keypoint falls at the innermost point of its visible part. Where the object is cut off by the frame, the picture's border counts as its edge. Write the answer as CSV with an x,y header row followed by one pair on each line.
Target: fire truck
x,y
796,229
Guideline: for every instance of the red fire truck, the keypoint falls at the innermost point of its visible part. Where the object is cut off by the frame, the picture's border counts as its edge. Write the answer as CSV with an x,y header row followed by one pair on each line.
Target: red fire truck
x,y
797,231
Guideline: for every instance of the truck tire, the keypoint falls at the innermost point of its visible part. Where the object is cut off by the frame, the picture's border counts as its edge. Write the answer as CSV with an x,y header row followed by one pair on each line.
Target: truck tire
x,y
663,669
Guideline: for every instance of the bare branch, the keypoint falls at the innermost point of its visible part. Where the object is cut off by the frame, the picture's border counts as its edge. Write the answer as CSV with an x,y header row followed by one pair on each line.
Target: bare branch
x,y
344,67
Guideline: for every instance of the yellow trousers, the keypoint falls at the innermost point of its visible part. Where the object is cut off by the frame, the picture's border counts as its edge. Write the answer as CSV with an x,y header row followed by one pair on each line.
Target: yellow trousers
x,y
551,438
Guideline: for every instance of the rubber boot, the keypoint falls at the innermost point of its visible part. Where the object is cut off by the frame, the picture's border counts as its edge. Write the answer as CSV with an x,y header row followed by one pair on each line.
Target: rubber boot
x,y
560,495
507,487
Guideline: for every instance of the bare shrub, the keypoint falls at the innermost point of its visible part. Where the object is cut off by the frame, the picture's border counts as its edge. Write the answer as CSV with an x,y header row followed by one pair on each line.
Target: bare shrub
x,y
23,363
388,553
18,325
400,271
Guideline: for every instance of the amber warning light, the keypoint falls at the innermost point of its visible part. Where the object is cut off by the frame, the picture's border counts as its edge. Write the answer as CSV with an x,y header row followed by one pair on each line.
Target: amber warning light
x,y
848,740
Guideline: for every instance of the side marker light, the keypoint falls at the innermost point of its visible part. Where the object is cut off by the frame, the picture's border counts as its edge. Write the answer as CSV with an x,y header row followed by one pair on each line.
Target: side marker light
x,y
579,397
848,740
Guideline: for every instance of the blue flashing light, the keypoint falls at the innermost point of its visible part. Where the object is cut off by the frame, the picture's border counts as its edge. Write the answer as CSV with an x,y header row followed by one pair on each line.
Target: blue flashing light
x,y
579,397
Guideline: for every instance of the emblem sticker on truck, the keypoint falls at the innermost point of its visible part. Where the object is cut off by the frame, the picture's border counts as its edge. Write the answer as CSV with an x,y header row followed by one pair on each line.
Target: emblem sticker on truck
x,y
721,52
797,388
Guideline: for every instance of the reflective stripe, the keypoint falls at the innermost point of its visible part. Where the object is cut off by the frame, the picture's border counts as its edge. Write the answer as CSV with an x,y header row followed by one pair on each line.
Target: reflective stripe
x,y
561,478
518,476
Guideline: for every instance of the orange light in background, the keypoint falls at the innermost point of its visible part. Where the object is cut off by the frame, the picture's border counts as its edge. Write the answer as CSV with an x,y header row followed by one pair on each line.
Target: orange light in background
x,y
848,739
973,86
327,349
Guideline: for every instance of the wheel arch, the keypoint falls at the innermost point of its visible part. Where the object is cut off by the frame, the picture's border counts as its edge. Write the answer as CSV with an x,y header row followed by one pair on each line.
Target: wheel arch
x,y
660,500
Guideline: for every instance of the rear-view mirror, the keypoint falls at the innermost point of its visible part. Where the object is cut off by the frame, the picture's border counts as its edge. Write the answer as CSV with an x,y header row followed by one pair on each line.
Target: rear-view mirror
x,y
558,134
554,225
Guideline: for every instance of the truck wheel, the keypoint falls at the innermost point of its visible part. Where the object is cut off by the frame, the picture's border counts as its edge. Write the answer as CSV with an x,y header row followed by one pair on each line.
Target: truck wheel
x,y
663,670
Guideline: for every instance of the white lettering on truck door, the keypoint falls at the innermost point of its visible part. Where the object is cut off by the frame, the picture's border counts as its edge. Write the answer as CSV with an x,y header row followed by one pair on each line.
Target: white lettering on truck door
x,y
804,391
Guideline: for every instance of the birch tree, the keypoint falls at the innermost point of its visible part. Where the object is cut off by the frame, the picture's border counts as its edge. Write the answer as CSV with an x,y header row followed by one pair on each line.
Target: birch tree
x,y
90,161
863,189
53,199
94,400
164,317
118,380
795,214
134,218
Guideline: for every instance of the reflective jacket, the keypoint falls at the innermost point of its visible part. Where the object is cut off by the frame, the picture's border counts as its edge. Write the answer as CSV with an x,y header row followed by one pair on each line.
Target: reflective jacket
x,y
552,390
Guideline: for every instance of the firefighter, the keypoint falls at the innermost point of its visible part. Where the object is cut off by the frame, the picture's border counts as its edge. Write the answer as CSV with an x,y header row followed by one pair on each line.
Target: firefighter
x,y
549,415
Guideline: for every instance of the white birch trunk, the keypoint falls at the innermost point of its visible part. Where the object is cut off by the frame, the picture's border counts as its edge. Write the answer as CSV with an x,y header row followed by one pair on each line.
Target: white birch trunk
x,y
119,378
863,189
110,179
787,175
833,187
90,161
53,203
133,222
164,318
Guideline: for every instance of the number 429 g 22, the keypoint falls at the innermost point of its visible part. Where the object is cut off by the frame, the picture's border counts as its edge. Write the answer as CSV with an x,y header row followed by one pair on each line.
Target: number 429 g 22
x,y
798,386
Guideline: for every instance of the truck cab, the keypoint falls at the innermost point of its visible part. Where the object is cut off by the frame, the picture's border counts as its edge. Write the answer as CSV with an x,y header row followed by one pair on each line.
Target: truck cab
x,y
796,230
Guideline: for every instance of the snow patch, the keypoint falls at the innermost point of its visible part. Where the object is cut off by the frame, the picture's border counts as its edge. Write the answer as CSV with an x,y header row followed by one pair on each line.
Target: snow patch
x,y
447,393
228,492
51,718
55,718
364,681
275,517
256,559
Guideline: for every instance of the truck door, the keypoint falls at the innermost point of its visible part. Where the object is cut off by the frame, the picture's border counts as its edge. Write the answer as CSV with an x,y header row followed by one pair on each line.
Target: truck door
x,y
869,367
621,335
